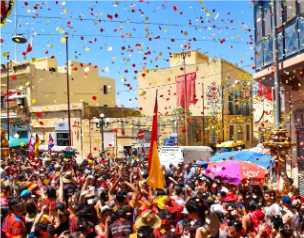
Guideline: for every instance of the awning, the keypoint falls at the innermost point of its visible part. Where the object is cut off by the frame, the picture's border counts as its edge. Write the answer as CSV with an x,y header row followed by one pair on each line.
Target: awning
x,y
55,149
18,142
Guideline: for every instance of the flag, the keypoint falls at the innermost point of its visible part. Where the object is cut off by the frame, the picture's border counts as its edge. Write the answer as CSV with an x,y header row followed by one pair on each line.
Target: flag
x,y
37,143
29,46
156,176
31,143
50,144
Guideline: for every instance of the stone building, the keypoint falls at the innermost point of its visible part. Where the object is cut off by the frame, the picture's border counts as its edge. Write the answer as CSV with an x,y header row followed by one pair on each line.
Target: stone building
x,y
206,79
41,83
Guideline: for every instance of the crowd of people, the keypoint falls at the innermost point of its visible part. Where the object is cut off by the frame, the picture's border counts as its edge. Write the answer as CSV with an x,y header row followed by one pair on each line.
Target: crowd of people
x,y
57,197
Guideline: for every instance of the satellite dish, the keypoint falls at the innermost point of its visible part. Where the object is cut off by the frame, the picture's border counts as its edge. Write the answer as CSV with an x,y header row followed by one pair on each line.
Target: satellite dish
x,y
19,39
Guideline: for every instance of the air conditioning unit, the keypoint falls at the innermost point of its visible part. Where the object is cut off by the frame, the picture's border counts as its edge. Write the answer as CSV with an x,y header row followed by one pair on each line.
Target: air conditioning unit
x,y
62,126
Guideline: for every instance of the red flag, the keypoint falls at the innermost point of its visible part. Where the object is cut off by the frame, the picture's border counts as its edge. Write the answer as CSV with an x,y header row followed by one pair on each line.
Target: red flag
x,y
156,176
30,45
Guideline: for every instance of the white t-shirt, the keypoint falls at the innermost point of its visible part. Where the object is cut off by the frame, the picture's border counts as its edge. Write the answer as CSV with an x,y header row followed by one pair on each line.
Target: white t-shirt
x,y
272,210
179,200
224,189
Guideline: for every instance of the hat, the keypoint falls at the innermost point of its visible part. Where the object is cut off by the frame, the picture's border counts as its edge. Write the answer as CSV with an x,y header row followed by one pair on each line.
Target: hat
x,y
217,207
147,218
89,195
67,178
6,167
57,166
47,160
231,207
257,217
171,205
286,199
2,162
31,186
105,208
60,206
230,197
185,211
25,193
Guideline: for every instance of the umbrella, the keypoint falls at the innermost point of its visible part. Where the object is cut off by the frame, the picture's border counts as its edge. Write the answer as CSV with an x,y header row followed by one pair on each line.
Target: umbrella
x,y
236,171
249,156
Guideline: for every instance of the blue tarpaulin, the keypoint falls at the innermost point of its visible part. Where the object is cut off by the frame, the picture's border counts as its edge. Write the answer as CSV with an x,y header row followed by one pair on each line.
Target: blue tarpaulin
x,y
253,157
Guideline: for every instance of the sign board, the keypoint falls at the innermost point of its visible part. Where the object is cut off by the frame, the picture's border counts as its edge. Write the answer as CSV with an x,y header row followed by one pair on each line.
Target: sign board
x,y
141,134
109,139
146,138
169,142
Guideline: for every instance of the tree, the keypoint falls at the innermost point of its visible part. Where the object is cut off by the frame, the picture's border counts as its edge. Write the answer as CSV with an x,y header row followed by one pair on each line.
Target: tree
x,y
179,111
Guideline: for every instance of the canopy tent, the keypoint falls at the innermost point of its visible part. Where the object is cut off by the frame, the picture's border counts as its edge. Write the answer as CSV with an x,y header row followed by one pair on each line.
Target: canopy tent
x,y
18,142
249,156
55,149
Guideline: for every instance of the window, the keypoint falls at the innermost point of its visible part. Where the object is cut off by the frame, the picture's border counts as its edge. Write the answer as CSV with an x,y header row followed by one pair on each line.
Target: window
x,y
62,139
290,9
279,11
258,22
248,132
301,7
22,134
231,103
267,19
197,135
3,103
231,133
105,89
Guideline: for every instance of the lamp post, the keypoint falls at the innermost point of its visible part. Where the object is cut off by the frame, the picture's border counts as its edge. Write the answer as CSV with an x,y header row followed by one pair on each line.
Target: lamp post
x,y
101,125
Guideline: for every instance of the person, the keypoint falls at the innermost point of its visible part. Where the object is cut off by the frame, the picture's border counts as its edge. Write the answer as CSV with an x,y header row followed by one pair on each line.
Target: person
x,y
122,227
125,154
145,232
188,173
298,198
234,229
13,223
106,220
217,187
166,229
286,231
210,224
272,208
291,216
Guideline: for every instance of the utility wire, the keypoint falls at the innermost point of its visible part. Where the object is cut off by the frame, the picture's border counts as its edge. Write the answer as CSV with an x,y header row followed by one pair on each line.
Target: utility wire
x,y
124,37
134,22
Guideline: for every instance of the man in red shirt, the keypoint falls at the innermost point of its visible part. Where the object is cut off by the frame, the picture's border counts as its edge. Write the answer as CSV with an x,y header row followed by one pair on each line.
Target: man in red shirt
x,y
12,223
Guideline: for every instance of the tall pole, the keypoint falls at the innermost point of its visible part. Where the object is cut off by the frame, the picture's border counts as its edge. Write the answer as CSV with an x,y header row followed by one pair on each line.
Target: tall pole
x,y
275,62
16,21
68,88
203,113
185,96
101,130
7,97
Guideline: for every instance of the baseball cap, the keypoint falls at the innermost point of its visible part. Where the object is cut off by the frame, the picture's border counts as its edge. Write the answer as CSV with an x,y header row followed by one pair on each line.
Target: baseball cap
x,y
25,193
105,208
231,207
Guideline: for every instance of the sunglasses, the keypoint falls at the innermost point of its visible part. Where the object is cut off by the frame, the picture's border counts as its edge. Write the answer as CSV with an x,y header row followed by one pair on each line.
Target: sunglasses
x,y
19,204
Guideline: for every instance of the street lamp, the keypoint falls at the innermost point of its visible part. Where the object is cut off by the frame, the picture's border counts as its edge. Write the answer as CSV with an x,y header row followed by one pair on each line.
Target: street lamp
x,y
100,125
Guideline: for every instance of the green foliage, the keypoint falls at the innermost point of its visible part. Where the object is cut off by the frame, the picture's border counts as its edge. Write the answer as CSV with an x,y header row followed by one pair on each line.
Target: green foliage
x,y
179,111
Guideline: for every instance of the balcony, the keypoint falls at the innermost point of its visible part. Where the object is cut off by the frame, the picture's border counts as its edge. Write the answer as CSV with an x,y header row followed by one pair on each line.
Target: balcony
x,y
290,35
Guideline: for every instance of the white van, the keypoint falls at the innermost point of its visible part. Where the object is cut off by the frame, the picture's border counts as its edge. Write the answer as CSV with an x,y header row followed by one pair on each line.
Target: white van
x,y
175,154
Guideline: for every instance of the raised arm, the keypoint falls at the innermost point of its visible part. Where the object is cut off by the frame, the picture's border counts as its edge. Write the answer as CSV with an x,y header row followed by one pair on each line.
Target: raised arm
x,y
43,197
112,189
60,197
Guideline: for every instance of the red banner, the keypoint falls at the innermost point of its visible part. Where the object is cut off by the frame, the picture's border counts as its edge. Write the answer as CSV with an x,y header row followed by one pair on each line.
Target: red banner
x,y
190,90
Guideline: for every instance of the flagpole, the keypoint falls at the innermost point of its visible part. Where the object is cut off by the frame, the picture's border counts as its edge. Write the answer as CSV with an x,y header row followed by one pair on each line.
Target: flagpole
x,y
7,98
68,89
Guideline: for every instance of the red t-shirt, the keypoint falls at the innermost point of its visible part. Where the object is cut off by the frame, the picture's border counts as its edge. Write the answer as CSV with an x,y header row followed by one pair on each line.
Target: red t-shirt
x,y
14,226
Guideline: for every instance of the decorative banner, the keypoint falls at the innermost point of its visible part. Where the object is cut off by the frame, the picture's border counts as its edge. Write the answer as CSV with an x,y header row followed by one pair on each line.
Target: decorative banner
x,y
6,10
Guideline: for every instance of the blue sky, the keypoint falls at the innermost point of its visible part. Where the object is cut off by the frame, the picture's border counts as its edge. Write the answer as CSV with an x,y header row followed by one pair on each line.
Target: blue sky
x,y
164,19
